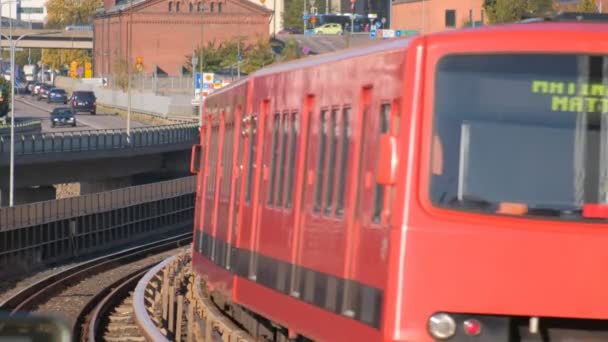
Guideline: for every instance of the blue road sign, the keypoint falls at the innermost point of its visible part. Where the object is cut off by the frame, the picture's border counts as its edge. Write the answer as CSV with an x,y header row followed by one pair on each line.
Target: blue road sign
x,y
197,81
397,33
372,34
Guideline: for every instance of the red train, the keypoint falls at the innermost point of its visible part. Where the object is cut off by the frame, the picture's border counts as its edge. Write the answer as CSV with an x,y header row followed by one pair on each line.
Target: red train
x,y
450,186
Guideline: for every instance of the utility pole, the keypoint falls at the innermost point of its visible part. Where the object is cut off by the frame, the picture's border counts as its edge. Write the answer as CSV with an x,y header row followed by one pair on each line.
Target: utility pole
x,y
200,70
11,200
129,53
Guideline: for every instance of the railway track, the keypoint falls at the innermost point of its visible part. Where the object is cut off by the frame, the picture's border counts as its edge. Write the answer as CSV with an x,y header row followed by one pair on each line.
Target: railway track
x,y
86,293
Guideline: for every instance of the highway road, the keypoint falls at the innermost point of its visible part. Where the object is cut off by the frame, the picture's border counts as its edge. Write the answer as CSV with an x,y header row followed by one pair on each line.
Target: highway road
x,y
27,107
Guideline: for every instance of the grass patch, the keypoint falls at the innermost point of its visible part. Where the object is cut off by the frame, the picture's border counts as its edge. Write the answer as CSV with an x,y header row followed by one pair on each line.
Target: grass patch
x,y
145,118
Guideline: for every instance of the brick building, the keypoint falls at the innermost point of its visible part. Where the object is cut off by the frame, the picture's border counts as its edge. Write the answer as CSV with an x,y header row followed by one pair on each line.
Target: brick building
x,y
164,32
428,16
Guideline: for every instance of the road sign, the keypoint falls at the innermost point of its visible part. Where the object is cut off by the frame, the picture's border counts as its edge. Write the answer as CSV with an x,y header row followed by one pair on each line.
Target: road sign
x,y
208,77
197,80
372,34
197,83
398,33
388,33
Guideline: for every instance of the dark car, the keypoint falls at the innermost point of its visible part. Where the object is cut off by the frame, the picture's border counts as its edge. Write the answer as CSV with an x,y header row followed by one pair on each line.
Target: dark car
x,y
62,116
57,95
43,93
83,101
291,30
36,88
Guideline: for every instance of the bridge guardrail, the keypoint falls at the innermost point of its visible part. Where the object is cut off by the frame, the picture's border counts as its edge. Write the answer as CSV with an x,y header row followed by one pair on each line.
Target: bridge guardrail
x,y
39,233
22,127
96,140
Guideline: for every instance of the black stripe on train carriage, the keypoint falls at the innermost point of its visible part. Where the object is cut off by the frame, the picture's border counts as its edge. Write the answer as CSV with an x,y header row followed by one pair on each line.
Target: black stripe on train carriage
x,y
340,296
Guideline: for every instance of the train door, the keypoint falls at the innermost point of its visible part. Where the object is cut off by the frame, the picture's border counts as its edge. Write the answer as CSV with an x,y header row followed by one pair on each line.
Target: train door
x,y
236,175
276,198
369,219
252,145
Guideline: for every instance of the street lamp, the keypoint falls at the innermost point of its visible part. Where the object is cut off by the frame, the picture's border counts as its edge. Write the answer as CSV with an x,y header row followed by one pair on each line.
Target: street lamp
x,y
13,43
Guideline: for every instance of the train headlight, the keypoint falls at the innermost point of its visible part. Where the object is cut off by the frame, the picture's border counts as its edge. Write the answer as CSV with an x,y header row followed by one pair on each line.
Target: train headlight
x,y
442,326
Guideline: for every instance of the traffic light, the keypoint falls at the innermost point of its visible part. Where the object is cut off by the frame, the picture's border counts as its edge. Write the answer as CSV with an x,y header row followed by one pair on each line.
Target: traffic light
x,y
139,64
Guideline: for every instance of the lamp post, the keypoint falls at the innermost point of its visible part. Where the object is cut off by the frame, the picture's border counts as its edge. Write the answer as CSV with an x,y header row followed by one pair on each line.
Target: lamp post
x,y
13,44
129,56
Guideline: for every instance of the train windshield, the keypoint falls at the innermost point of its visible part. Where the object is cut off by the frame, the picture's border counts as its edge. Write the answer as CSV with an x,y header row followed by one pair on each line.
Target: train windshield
x,y
521,134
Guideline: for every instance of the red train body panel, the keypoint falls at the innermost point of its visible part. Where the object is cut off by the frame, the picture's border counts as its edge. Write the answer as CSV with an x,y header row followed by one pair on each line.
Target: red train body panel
x,y
314,209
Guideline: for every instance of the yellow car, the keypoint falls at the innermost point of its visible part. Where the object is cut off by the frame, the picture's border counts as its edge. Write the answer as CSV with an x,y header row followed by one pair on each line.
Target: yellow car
x,y
328,29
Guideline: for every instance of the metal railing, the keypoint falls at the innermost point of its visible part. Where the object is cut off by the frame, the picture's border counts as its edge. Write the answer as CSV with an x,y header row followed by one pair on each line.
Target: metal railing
x,y
97,140
39,233
23,126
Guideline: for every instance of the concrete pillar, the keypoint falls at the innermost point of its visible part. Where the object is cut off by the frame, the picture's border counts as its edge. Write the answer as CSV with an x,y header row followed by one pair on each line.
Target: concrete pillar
x,y
28,195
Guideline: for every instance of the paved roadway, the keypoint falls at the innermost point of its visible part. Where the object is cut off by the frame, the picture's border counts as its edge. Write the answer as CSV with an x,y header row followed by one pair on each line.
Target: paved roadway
x,y
328,43
27,107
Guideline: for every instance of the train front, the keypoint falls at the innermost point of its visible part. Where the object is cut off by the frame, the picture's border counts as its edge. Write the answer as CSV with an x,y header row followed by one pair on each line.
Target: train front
x,y
505,198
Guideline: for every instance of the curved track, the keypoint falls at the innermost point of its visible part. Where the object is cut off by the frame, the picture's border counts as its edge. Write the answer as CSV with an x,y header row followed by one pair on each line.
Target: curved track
x,y
30,298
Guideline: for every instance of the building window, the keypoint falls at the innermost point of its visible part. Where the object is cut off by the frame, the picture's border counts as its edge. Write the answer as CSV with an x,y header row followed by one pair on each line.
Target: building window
x,y
30,10
170,6
219,7
177,6
450,18
199,7
211,7
191,7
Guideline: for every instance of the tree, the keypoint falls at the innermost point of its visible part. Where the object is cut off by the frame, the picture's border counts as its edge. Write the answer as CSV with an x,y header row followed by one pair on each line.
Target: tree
x,y
292,16
258,56
121,73
291,51
5,91
62,58
587,6
506,11
224,56
62,13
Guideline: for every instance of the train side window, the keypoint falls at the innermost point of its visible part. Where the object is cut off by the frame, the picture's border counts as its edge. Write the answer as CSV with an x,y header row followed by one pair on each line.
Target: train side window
x,y
295,131
331,162
345,141
320,161
274,152
383,127
284,142
227,160
252,155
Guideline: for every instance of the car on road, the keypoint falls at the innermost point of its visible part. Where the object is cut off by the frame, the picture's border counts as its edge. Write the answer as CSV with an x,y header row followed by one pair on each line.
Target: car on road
x,y
43,93
331,28
30,86
83,101
62,116
36,89
291,30
57,95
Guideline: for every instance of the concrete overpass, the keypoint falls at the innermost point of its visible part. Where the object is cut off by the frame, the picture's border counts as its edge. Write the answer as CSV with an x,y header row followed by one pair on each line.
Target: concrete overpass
x,y
50,39
99,160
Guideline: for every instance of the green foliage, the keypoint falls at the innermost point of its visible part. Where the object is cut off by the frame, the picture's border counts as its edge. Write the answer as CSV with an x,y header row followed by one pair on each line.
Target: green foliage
x,y
62,13
21,57
294,9
216,57
291,51
5,89
58,58
588,6
506,11
121,73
